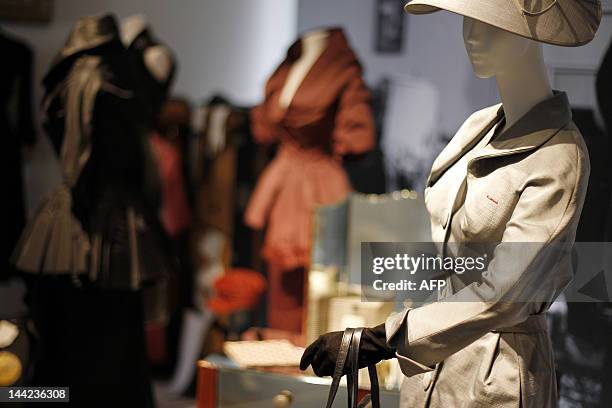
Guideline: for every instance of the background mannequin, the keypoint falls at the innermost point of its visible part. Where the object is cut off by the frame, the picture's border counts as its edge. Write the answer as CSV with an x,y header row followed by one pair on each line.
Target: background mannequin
x,y
317,109
313,45
99,256
516,62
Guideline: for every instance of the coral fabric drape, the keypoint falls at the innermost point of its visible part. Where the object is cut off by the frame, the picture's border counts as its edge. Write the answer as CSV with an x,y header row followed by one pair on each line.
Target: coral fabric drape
x,y
329,116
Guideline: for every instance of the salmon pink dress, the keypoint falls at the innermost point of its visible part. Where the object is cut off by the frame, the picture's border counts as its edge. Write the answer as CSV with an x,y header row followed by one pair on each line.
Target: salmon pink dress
x,y
329,117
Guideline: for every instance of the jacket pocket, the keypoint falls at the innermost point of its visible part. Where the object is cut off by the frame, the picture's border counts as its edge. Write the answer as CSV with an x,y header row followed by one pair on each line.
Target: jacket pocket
x,y
486,210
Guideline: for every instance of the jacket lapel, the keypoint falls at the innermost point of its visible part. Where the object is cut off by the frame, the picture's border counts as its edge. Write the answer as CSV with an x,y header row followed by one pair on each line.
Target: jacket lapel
x,y
319,87
466,138
536,127
533,130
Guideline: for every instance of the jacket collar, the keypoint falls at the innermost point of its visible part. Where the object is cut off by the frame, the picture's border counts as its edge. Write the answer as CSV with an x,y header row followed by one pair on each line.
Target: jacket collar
x,y
534,129
321,84
336,41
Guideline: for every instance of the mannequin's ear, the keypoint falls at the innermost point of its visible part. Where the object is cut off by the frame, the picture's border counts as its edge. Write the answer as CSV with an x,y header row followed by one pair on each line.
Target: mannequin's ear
x,y
536,7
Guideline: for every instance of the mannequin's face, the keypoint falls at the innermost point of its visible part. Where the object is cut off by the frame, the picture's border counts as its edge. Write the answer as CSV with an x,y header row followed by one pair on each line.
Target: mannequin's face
x,y
491,50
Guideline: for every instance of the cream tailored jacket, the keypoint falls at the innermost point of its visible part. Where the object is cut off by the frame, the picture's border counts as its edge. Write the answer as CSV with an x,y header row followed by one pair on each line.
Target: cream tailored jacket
x,y
484,343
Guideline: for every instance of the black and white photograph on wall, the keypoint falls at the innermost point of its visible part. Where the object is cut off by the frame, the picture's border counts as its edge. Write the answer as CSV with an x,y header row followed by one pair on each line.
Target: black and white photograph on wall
x,y
389,26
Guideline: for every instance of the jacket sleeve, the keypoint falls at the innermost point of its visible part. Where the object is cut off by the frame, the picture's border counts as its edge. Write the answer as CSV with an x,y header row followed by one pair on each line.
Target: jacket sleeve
x,y
528,269
354,131
264,131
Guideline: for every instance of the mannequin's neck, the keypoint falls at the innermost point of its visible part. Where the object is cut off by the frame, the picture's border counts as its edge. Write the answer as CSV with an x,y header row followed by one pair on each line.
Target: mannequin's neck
x,y
132,26
524,85
313,43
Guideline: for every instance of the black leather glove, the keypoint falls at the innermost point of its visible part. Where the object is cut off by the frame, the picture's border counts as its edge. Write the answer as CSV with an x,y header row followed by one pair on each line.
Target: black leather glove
x,y
323,352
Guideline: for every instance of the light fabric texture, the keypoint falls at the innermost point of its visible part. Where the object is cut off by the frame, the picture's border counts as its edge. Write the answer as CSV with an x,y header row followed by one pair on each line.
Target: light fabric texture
x,y
568,23
479,347
54,240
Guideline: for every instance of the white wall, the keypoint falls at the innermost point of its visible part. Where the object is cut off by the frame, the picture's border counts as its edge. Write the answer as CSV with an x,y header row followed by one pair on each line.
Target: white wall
x,y
433,50
229,46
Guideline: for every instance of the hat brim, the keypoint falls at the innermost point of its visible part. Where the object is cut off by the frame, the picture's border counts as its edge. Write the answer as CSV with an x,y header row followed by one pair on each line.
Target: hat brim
x,y
569,23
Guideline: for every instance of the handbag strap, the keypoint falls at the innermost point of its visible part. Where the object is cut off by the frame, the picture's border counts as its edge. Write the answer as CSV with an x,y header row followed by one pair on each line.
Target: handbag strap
x,y
374,397
345,345
349,349
354,356
374,387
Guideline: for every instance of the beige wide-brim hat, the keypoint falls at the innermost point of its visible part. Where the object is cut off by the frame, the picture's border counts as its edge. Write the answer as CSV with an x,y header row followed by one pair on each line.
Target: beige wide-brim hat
x,y
568,23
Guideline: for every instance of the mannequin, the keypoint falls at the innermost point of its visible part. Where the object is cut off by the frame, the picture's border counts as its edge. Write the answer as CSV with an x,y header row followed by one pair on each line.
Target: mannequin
x,y
316,108
516,63
313,45
514,173
157,58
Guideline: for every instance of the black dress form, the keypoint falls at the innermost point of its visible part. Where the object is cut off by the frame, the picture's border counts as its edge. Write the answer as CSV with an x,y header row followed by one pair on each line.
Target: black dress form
x,y
88,309
100,226
16,129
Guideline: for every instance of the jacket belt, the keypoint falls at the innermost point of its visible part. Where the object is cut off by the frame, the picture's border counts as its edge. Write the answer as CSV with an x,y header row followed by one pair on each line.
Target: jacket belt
x,y
533,324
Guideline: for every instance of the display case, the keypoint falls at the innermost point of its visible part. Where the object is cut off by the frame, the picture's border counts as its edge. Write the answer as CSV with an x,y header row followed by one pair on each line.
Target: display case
x,y
226,387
